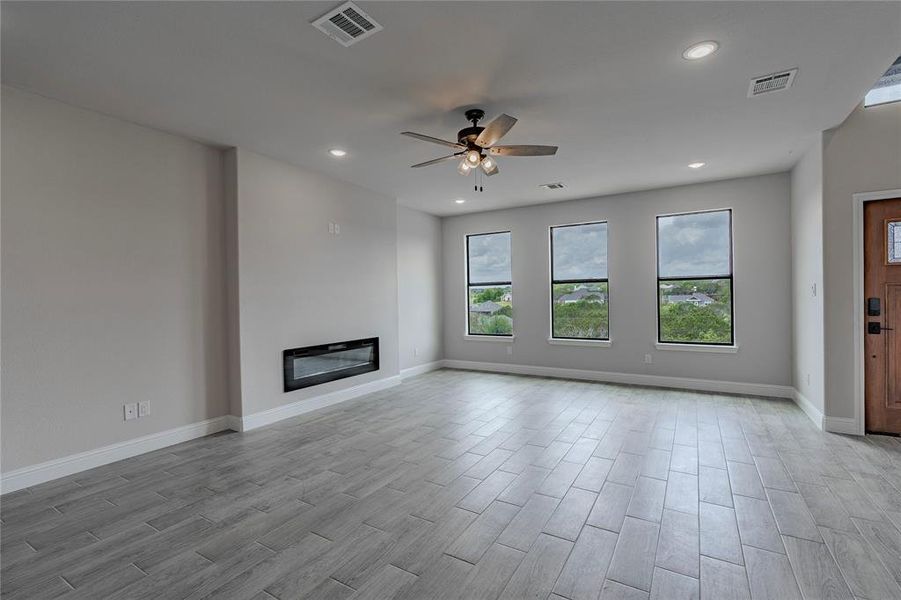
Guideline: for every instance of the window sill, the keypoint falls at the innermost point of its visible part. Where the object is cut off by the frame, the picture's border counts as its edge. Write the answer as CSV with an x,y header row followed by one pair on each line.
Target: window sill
x,y
586,343
489,338
698,348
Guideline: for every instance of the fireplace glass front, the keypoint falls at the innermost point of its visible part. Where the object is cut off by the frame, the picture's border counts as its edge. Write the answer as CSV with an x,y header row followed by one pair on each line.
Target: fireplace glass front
x,y
312,365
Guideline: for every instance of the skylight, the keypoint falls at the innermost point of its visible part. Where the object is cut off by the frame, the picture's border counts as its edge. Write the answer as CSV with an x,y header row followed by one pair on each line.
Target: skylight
x,y
888,88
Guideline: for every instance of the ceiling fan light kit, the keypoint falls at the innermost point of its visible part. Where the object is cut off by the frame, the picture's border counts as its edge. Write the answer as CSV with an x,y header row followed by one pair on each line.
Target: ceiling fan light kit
x,y
476,145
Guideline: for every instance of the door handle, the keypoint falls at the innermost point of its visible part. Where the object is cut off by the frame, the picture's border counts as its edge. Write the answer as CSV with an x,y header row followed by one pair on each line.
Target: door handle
x,y
877,328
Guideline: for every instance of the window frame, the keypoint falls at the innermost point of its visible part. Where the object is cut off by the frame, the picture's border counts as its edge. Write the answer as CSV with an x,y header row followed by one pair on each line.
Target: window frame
x,y
553,282
731,277
866,105
470,285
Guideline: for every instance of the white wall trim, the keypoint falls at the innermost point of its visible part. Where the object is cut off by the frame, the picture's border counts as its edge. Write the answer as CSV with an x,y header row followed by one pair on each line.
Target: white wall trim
x,y
842,424
709,348
75,463
420,369
280,413
705,385
504,339
586,343
815,414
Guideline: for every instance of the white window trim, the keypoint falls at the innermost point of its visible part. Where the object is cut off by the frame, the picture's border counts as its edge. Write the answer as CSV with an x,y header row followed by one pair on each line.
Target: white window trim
x,y
489,338
710,348
466,334
550,290
586,342
731,349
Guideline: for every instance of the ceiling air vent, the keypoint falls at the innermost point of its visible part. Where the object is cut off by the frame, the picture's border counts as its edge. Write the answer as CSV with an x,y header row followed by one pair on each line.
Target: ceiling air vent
x,y
552,186
347,24
774,82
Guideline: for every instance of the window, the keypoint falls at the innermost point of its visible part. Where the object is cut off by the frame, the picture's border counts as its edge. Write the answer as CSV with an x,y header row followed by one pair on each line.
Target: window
x,y
489,289
579,290
887,88
694,278
893,242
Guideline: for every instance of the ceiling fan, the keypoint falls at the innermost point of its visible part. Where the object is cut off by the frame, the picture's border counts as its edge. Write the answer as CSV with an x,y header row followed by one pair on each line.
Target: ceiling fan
x,y
475,145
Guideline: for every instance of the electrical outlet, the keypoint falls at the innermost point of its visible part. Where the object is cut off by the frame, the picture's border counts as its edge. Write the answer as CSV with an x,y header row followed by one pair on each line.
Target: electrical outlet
x,y
337,229
331,228
648,359
415,351
131,411
808,379
813,290
144,408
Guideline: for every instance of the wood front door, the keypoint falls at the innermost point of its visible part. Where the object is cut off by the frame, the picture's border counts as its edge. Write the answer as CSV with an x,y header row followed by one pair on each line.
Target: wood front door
x,y
882,309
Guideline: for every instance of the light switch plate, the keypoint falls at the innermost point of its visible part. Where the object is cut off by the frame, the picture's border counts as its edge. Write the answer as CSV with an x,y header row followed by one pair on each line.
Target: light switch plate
x,y
144,408
131,411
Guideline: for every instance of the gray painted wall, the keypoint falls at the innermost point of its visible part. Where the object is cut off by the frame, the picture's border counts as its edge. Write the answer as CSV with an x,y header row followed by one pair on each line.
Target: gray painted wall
x,y
808,359
419,287
298,285
762,282
862,154
113,287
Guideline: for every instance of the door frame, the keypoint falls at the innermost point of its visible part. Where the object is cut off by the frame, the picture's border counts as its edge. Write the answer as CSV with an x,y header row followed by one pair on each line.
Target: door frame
x,y
858,427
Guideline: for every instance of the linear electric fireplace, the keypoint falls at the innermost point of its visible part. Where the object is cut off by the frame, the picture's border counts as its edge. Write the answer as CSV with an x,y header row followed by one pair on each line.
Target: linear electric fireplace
x,y
313,365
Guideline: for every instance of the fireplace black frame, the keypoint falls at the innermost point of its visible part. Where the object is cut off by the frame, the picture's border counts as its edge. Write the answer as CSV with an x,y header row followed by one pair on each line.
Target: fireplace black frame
x,y
288,356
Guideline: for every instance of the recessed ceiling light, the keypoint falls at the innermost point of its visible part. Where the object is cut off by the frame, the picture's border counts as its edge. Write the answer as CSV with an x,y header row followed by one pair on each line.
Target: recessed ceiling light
x,y
459,200
337,152
696,165
700,50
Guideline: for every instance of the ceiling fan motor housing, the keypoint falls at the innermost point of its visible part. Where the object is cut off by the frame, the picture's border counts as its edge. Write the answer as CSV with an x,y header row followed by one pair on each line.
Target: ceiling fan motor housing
x,y
467,136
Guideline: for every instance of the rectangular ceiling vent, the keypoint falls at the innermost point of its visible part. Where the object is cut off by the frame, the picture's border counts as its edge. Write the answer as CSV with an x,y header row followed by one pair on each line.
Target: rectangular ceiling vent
x,y
552,186
774,82
347,24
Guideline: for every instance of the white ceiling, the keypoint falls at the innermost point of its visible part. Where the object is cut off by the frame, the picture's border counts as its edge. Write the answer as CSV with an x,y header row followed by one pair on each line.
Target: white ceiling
x,y
604,81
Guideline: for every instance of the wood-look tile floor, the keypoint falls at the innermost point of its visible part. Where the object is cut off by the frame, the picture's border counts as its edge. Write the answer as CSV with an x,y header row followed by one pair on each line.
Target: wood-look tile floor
x,y
461,485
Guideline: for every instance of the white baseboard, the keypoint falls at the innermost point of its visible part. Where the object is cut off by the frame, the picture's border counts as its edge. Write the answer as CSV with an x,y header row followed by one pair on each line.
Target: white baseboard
x,y
75,463
815,414
685,383
841,425
420,369
233,422
279,413
68,465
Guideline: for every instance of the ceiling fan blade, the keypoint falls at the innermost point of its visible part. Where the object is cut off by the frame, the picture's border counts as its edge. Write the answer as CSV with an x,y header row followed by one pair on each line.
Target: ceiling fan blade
x,y
523,150
495,131
435,161
434,140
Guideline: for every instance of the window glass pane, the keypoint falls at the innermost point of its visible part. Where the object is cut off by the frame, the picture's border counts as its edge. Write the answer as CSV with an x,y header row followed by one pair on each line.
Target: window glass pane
x,y
489,258
490,310
887,89
581,311
580,251
696,244
893,243
696,310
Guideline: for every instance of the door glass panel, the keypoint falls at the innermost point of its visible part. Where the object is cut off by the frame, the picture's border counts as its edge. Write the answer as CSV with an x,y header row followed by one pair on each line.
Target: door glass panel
x,y
893,242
